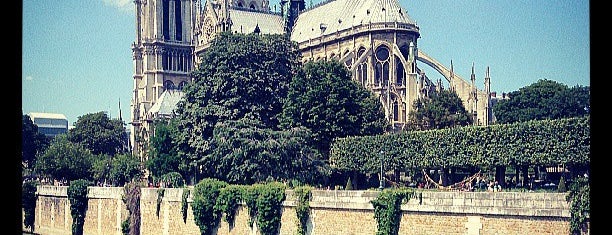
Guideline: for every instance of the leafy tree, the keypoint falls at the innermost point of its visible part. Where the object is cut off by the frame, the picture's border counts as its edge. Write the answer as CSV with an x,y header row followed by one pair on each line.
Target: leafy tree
x,y
32,142
443,109
65,160
101,167
124,168
544,99
247,152
241,76
100,134
163,158
323,98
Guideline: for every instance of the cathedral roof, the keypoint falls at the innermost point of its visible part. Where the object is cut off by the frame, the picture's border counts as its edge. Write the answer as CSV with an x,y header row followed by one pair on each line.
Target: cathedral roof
x,y
336,15
166,103
245,21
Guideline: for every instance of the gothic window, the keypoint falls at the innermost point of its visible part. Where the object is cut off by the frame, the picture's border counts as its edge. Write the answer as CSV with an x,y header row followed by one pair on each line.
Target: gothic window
x,y
166,19
168,85
182,85
240,4
180,63
400,73
253,6
404,110
382,66
164,61
178,20
362,69
395,111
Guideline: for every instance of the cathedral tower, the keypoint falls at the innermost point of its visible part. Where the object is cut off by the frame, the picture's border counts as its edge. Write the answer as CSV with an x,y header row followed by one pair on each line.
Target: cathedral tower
x,y
163,57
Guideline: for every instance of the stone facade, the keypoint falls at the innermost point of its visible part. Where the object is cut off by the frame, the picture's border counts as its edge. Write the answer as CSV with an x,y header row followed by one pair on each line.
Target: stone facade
x,y
332,212
376,40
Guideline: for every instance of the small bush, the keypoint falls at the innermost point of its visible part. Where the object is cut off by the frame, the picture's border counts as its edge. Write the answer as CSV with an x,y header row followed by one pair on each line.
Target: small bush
x,y
172,180
77,194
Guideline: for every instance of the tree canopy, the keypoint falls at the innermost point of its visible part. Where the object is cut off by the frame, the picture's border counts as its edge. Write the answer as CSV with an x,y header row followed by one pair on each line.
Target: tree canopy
x,y
163,158
240,77
323,98
65,160
544,99
32,142
441,110
100,134
246,152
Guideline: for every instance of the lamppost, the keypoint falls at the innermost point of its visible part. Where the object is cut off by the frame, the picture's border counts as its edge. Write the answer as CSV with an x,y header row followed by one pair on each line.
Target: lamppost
x,y
382,177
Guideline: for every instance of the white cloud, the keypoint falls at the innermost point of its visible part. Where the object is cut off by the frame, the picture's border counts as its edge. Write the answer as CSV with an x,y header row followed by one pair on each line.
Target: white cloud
x,y
123,5
29,78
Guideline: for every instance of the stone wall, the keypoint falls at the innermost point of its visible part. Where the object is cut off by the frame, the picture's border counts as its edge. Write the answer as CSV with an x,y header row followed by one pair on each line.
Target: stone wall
x,y
332,212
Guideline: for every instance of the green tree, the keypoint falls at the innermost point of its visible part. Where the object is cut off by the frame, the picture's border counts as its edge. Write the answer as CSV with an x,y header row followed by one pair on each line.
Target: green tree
x,y
246,152
163,158
124,168
65,160
32,142
443,109
241,76
100,134
323,98
544,99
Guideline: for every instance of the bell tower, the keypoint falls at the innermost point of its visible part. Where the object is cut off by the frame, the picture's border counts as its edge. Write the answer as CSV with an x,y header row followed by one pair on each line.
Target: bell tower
x,y
163,58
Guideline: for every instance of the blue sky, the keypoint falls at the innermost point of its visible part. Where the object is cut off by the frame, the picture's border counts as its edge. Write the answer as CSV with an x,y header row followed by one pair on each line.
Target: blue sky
x,y
76,55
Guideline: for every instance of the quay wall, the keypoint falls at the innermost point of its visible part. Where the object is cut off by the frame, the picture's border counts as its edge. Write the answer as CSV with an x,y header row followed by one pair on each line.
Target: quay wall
x,y
332,212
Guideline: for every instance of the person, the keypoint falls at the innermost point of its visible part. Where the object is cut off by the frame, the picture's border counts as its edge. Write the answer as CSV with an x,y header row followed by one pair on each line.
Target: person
x,y
497,187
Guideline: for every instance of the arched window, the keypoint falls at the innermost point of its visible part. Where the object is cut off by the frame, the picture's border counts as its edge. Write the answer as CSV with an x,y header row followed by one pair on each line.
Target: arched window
x,y
168,85
400,75
381,77
395,111
182,85
404,111
362,69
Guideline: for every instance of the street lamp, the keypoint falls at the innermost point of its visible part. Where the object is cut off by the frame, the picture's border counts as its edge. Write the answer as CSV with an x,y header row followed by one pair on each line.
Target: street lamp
x,y
382,178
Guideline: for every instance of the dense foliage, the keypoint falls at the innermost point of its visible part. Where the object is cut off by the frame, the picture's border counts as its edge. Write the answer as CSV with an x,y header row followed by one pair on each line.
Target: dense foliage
x,y
241,76
323,98
544,99
205,195
246,152
387,209
303,195
270,197
28,203
441,110
77,194
228,202
579,197
543,142
100,134
172,180
124,168
65,160
32,142
162,156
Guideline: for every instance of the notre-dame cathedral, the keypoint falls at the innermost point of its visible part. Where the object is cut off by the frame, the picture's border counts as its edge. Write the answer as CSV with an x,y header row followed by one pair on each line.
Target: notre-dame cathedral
x,y
376,40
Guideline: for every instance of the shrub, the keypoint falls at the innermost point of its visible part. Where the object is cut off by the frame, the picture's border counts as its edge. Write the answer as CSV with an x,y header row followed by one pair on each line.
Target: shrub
x,y
28,202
